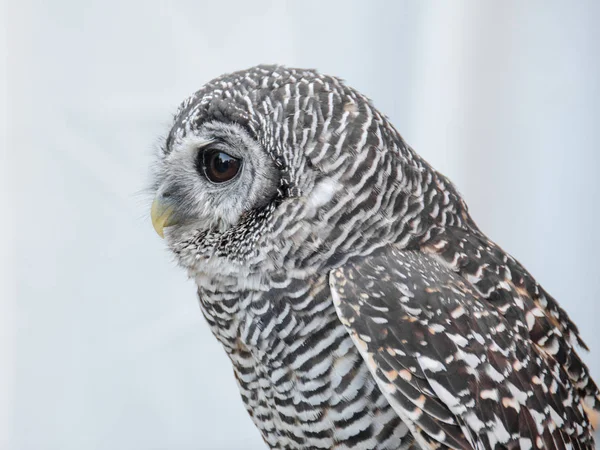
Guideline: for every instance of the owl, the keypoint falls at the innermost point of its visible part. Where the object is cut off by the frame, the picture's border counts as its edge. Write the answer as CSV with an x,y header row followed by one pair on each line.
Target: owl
x,y
359,303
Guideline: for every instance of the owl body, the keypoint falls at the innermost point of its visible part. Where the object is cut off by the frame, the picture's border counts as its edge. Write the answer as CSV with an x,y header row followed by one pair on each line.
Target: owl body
x,y
360,305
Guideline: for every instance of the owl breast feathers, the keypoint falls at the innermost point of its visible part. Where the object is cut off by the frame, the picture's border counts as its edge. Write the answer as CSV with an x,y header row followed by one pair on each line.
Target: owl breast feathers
x,y
359,304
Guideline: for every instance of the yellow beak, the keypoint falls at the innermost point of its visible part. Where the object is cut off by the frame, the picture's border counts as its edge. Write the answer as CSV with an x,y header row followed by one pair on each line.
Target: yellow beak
x,y
162,216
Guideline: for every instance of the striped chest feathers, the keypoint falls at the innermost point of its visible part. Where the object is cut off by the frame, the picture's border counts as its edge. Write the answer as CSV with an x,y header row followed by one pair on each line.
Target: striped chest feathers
x,y
300,376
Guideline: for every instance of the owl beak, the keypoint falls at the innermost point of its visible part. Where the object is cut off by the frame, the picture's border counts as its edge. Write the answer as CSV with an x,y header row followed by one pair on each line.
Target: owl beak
x,y
162,216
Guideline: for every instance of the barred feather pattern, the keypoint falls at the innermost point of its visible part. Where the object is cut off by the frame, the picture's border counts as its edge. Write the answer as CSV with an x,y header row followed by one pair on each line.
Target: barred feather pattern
x,y
300,376
349,187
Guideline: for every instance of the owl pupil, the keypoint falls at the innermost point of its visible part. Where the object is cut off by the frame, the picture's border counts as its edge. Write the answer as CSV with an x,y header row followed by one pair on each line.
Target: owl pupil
x,y
220,166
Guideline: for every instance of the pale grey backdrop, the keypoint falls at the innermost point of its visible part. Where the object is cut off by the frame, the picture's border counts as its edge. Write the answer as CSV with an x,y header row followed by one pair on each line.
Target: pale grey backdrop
x,y
103,344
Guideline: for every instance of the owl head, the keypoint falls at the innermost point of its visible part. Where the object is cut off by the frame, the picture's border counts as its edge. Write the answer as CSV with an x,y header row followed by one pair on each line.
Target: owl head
x,y
272,168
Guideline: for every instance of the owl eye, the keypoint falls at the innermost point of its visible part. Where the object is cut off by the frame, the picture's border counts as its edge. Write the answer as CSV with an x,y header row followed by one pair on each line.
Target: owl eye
x,y
219,166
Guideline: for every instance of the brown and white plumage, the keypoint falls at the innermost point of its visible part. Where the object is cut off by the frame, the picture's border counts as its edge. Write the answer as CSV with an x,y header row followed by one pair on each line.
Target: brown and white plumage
x,y
452,364
359,303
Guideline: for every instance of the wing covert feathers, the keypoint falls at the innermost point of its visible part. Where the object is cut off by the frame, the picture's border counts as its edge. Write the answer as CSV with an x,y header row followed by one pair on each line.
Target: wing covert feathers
x,y
458,369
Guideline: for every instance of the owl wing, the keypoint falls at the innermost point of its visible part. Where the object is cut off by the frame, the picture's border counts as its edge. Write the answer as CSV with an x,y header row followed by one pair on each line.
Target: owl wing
x,y
457,371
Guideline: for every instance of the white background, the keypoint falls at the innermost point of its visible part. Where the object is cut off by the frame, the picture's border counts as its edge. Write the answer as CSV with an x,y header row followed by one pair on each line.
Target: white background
x,y
102,344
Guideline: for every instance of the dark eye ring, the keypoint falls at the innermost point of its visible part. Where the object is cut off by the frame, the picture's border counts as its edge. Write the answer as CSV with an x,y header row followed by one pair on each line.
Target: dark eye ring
x,y
219,166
